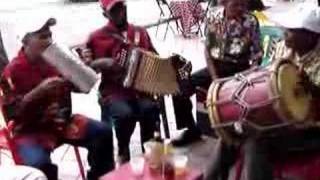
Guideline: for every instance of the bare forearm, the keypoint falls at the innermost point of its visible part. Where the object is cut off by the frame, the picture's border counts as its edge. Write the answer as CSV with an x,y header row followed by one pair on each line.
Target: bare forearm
x,y
210,66
32,96
54,84
102,64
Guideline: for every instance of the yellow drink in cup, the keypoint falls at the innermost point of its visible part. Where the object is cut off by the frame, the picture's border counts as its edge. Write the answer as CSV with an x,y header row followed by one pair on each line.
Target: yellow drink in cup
x,y
180,163
154,154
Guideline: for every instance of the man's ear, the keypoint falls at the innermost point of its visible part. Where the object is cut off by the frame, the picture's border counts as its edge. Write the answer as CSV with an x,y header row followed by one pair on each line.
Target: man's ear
x,y
106,14
26,39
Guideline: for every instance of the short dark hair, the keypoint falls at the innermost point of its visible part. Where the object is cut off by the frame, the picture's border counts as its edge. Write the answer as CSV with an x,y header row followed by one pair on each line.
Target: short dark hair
x,y
255,5
26,37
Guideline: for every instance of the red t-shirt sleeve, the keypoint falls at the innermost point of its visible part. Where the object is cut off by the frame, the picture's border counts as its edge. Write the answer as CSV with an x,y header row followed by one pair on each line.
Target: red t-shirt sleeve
x,y
146,41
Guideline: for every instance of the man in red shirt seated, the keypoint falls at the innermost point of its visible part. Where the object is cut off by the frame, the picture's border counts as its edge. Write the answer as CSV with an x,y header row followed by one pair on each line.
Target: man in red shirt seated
x,y
121,106
38,99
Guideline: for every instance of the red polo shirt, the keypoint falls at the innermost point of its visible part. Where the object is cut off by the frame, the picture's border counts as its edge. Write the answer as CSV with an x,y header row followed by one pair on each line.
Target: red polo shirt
x,y
103,44
21,78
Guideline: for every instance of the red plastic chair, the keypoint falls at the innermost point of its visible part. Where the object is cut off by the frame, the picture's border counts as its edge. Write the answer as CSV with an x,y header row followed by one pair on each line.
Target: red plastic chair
x,y
6,141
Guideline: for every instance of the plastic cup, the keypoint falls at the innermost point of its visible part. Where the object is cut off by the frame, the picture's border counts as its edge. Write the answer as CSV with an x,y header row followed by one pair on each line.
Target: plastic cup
x,y
180,164
137,165
154,154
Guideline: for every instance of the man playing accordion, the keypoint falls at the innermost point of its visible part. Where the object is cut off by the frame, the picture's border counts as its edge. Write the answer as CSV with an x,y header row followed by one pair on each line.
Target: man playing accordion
x,y
121,106
38,100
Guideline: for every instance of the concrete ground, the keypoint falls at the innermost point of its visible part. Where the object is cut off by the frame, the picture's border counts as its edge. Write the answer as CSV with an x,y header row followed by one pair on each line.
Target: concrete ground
x,y
75,22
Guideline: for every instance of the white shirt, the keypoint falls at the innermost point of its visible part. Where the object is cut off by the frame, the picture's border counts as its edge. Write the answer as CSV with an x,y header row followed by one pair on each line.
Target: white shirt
x,y
19,172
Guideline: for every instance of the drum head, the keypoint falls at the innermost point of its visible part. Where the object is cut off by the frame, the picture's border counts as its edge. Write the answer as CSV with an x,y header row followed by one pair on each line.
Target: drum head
x,y
294,102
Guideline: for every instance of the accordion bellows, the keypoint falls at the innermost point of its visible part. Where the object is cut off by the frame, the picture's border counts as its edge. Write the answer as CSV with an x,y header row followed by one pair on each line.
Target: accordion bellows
x,y
149,73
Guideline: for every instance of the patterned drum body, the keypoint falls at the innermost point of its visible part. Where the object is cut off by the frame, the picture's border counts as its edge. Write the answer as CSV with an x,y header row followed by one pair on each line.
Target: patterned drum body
x,y
260,99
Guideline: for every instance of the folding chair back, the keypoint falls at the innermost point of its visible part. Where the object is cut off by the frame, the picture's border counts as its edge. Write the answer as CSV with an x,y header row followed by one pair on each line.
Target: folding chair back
x,y
191,15
164,8
270,36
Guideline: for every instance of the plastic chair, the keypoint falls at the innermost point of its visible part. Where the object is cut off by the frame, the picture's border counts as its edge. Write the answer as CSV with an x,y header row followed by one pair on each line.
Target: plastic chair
x,y
7,142
163,5
191,15
270,36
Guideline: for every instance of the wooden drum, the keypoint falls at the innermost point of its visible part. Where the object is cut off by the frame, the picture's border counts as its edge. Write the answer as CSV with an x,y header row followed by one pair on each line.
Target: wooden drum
x,y
259,99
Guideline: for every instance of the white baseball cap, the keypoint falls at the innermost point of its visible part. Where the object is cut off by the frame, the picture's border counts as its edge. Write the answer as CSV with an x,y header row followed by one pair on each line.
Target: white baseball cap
x,y
302,15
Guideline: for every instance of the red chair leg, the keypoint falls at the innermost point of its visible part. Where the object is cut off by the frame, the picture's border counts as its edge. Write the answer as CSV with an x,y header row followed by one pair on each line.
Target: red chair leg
x,y
0,157
81,168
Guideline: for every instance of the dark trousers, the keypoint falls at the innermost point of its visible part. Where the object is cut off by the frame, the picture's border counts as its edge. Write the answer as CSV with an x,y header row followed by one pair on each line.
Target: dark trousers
x,y
258,153
257,166
182,103
202,78
226,69
123,115
97,139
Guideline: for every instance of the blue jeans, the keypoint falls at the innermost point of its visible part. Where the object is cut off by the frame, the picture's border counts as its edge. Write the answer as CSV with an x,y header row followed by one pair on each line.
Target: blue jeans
x,y
124,114
97,139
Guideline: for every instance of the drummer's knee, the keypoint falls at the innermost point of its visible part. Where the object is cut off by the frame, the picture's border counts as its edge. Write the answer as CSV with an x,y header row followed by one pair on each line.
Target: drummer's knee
x,y
251,145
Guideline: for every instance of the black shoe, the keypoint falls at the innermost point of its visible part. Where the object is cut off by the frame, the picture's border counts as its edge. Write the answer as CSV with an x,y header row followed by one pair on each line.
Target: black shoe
x,y
188,137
